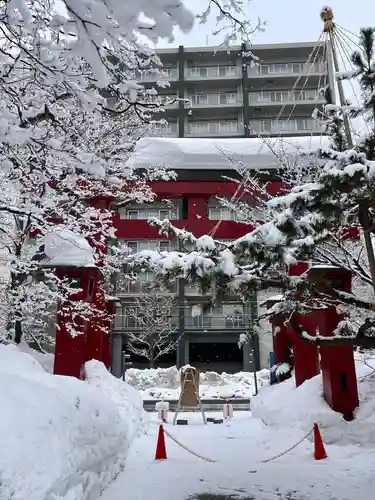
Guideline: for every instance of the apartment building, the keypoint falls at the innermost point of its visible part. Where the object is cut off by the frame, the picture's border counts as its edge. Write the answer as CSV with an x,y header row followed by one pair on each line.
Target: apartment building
x,y
225,97
227,94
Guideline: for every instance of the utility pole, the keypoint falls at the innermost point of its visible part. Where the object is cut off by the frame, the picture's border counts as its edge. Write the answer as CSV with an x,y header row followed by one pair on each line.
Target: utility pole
x,y
329,28
365,219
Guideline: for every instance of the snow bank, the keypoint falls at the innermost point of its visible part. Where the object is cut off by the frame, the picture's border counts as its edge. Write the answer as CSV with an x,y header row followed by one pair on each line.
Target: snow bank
x,y
165,383
127,400
285,406
44,359
61,438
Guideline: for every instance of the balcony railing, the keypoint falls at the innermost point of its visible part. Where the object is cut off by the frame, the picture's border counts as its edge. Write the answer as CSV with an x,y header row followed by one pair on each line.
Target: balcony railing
x,y
298,125
128,322
222,322
283,96
168,130
219,128
126,287
162,74
217,99
284,69
212,72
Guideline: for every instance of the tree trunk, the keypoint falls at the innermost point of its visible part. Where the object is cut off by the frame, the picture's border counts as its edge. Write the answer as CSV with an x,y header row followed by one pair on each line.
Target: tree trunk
x,y
152,363
17,331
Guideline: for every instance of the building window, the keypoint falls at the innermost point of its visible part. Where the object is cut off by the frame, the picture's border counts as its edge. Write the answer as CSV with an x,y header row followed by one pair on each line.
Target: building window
x,y
133,246
140,245
297,67
301,124
196,318
199,127
227,70
217,212
199,99
265,125
198,72
164,246
145,213
228,98
129,317
227,127
132,214
162,129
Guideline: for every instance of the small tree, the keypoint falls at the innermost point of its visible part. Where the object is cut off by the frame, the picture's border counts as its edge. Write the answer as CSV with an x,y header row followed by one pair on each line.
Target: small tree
x,y
152,313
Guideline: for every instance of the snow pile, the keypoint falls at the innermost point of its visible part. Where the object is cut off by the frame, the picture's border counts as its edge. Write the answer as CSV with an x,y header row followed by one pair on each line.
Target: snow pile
x,y
44,359
285,406
162,383
61,438
127,400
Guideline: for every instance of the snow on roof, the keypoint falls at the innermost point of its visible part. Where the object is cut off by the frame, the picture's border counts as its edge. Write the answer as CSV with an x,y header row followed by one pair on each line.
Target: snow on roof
x,y
63,247
188,153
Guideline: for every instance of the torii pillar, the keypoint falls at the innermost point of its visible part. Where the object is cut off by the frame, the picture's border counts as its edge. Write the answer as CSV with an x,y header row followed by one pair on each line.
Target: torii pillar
x,y
71,350
338,368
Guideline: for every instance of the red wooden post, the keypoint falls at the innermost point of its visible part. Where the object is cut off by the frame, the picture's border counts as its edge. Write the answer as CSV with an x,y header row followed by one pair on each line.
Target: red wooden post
x,y
71,346
338,369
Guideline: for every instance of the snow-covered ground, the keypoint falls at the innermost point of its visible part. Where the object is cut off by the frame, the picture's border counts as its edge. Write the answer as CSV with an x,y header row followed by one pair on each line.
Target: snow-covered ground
x,y
62,438
281,416
165,383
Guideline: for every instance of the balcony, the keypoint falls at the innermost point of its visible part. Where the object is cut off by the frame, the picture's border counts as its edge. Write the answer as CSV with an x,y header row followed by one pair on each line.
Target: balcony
x,y
145,212
226,99
286,69
285,97
157,75
212,72
164,130
298,126
222,322
214,129
124,287
128,322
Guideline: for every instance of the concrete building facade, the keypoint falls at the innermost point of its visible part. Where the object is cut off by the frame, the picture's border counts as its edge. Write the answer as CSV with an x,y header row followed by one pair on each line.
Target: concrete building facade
x,y
226,96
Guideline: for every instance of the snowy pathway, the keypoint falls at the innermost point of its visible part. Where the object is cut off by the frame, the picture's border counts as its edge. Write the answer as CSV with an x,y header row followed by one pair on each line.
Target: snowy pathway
x,y
239,447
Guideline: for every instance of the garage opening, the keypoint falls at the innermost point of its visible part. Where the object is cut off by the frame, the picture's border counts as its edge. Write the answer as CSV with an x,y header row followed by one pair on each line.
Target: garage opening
x,y
218,357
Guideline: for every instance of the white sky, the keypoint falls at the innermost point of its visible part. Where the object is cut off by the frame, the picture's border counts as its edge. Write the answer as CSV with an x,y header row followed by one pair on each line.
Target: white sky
x,y
287,20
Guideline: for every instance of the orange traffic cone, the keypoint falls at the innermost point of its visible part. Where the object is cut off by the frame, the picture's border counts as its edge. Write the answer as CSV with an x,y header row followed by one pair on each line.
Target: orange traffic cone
x,y
161,452
319,450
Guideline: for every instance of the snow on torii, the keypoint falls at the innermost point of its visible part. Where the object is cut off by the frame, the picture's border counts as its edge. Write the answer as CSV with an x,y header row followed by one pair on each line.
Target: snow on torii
x,y
203,153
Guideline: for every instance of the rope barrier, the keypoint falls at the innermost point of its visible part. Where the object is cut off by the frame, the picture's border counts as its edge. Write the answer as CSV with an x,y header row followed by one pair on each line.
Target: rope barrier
x,y
215,461
188,449
288,450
